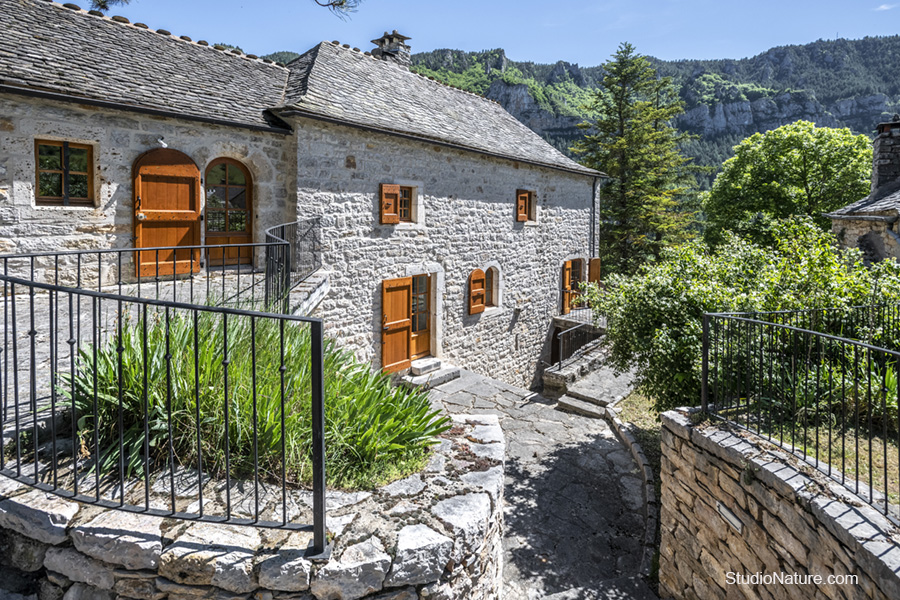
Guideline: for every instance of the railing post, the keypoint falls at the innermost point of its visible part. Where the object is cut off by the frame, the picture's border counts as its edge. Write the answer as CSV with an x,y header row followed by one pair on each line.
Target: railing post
x,y
704,394
319,548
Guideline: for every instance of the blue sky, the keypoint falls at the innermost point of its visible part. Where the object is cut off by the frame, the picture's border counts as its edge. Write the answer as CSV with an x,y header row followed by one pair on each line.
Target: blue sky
x,y
584,32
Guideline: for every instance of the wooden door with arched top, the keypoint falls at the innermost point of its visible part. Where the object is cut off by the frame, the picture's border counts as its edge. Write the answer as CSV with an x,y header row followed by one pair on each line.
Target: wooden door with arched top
x,y
229,211
166,212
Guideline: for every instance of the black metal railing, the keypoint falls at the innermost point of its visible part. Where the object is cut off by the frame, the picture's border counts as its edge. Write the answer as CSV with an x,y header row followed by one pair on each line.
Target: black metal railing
x,y
296,261
820,383
570,341
160,381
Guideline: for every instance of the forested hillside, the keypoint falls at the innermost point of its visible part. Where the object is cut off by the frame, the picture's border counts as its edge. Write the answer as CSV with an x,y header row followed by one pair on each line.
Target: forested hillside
x,y
839,83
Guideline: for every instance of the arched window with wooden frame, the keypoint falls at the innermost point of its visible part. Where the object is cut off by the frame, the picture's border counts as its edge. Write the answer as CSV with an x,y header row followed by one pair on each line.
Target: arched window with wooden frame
x,y
229,210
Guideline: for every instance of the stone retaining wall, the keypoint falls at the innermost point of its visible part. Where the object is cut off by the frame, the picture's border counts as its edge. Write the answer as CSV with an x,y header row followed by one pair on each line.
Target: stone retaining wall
x,y
732,503
435,535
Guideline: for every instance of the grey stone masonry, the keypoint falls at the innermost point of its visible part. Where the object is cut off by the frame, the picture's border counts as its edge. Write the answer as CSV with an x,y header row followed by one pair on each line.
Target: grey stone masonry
x,y
118,138
734,506
434,535
463,219
886,167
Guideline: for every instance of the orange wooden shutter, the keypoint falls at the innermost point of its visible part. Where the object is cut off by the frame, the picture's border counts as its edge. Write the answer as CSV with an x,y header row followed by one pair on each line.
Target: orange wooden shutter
x,y
594,271
522,205
476,292
396,323
390,204
566,287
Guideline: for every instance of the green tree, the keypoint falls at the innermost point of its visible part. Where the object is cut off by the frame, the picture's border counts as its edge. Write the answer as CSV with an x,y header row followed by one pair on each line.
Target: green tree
x,y
339,7
797,169
104,5
631,140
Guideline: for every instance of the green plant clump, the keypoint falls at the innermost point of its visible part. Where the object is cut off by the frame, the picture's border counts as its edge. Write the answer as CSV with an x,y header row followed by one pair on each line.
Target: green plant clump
x,y
373,432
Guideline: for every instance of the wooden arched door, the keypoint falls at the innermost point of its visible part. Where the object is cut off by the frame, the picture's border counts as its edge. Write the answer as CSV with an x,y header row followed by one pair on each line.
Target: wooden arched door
x,y
229,211
166,212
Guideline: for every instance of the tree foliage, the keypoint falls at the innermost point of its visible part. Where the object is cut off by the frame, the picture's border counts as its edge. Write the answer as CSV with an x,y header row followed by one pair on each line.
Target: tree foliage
x,y
654,318
105,5
631,140
797,169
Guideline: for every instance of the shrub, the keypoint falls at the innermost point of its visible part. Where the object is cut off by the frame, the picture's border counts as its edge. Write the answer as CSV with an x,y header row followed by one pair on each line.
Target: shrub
x,y
654,318
373,431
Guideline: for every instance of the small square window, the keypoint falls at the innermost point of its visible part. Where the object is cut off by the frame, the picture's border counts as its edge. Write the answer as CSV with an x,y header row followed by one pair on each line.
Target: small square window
x,y
525,210
63,174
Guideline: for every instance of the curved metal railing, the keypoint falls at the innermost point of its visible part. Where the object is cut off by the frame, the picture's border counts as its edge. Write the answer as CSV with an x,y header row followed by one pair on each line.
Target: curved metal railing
x,y
160,381
294,253
821,383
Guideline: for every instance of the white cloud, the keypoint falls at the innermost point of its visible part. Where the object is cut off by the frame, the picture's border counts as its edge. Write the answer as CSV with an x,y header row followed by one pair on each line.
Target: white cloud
x,y
886,7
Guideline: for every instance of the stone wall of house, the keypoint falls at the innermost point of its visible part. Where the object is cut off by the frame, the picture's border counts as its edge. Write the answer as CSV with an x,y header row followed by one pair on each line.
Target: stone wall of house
x,y
435,535
118,139
735,506
877,238
465,221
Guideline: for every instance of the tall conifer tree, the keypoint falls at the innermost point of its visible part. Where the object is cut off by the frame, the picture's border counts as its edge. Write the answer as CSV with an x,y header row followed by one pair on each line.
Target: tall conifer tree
x,y
645,204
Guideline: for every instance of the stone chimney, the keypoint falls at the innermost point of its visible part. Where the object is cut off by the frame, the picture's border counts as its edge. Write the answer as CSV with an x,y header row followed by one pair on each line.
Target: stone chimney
x,y
392,47
886,156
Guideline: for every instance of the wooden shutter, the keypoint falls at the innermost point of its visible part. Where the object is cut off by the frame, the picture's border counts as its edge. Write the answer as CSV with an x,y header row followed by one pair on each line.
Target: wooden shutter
x,y
476,292
390,204
522,202
566,287
594,271
396,323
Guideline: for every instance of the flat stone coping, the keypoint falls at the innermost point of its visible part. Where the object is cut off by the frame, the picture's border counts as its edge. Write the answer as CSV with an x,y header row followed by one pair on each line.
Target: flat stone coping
x,y
854,523
414,531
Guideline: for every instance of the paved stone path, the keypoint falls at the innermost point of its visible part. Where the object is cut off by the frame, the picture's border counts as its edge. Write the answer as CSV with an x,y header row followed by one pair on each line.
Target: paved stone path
x,y
573,498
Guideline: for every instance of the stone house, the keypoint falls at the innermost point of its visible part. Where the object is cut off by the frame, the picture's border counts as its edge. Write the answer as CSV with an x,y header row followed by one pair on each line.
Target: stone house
x,y
448,229
871,224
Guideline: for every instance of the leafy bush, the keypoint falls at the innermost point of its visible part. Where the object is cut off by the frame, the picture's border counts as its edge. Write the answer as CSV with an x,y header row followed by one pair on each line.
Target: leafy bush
x,y
373,431
654,318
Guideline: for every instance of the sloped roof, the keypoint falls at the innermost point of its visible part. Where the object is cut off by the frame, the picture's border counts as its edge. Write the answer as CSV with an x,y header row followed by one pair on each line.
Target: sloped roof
x,y
351,87
53,48
884,199
56,49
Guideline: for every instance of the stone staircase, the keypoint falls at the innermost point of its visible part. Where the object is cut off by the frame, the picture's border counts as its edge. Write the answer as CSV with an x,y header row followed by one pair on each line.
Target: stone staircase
x,y
596,394
428,372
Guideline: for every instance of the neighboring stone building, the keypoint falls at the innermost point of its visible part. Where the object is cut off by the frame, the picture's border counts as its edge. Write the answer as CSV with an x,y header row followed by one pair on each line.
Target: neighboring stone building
x,y
871,224
448,228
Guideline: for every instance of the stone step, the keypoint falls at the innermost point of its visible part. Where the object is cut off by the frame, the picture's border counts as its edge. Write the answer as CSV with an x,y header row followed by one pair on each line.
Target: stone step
x,y
587,394
425,365
580,407
433,379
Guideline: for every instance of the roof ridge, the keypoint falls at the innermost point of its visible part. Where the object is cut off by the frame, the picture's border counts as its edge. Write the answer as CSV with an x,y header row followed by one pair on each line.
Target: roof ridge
x,y
124,22
340,46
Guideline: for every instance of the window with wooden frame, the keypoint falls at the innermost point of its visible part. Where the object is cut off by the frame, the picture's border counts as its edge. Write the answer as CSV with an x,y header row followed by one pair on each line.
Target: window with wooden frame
x,y
397,203
525,206
63,173
490,290
228,202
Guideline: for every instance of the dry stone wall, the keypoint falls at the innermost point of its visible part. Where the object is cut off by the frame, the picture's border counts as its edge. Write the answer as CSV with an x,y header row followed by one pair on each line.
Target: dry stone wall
x,y
735,506
435,535
464,221
118,139
877,237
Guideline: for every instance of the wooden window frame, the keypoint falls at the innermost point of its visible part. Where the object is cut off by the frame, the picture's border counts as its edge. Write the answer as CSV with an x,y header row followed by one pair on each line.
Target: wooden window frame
x,y
248,186
490,281
64,172
525,211
392,208
410,197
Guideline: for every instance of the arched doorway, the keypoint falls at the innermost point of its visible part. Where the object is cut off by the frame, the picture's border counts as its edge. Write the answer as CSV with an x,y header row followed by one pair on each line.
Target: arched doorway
x,y
166,212
229,211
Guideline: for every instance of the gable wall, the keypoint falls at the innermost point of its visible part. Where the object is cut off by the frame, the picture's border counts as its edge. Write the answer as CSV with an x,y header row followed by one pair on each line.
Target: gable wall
x,y
119,138
468,223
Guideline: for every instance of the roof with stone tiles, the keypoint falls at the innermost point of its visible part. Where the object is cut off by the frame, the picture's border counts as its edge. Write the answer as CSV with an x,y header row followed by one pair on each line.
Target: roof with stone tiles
x,y
885,199
49,47
346,85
